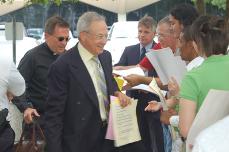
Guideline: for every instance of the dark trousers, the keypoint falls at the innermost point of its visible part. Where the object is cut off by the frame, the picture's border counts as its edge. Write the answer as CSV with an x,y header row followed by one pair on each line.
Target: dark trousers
x,y
149,126
105,145
7,139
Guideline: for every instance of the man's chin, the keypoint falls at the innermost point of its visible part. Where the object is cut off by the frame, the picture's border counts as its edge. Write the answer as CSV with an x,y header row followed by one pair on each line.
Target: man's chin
x,y
100,51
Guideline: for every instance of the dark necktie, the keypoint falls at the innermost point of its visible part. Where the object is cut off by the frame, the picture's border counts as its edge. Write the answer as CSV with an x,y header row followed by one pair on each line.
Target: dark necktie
x,y
143,52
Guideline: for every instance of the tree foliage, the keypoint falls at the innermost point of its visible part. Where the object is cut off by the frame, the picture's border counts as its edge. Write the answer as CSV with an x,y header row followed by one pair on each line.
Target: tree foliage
x,y
219,3
57,2
200,4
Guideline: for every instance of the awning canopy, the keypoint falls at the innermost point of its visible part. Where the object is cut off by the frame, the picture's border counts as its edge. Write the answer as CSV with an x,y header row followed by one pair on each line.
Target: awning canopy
x,y
119,6
10,7
116,6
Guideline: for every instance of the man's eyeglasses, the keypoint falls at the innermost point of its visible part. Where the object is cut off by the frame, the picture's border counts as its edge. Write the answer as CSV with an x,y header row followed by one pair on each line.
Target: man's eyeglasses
x,y
61,38
98,36
162,35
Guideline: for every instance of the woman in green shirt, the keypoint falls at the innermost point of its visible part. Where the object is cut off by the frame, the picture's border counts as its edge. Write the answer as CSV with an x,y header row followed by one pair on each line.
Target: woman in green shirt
x,y
210,40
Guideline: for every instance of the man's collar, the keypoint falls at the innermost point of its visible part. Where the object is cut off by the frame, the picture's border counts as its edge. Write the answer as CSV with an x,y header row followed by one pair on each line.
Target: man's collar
x,y
84,53
49,50
148,46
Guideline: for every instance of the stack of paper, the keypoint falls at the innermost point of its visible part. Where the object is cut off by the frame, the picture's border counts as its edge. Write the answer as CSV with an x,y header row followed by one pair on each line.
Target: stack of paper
x,y
167,65
122,126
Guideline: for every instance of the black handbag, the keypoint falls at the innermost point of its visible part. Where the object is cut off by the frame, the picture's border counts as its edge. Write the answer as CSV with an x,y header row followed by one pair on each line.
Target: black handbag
x,y
31,145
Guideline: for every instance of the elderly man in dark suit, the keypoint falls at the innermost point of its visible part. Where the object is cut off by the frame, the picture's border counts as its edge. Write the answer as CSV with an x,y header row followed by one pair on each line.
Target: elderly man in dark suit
x,y
149,123
80,83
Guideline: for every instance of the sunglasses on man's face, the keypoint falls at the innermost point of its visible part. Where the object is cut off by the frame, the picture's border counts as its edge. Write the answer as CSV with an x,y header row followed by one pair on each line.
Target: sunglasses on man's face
x,y
61,38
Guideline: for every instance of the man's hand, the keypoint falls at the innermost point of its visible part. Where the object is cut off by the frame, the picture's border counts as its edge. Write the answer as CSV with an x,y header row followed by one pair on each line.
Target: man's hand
x,y
173,87
143,68
28,115
153,106
124,99
165,115
10,96
133,80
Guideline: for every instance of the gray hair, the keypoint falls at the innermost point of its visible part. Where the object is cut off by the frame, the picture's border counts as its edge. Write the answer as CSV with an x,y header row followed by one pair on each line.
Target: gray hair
x,y
166,20
148,22
54,21
86,19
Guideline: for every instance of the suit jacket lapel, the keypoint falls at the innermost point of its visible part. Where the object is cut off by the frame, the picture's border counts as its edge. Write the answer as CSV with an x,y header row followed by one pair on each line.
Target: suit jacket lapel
x,y
83,76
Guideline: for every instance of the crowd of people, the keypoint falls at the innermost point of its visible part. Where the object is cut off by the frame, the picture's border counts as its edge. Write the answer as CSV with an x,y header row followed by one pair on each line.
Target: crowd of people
x,y
69,90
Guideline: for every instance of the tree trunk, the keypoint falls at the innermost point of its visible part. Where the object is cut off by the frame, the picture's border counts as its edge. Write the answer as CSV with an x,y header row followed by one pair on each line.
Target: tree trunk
x,y
227,10
200,5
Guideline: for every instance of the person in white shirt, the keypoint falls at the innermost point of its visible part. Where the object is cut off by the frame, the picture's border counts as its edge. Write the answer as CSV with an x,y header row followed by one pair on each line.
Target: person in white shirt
x,y
188,54
11,84
187,51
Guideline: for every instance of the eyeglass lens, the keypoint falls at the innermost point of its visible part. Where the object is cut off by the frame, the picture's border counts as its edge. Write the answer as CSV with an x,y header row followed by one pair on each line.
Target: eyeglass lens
x,y
63,38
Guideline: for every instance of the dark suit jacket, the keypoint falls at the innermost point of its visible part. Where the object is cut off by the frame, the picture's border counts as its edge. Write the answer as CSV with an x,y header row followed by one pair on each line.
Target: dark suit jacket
x,y
130,56
73,122
148,122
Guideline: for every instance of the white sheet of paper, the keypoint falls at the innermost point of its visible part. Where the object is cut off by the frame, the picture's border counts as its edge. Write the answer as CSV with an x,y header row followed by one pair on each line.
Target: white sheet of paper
x,y
153,85
167,65
143,87
153,88
214,108
125,125
124,73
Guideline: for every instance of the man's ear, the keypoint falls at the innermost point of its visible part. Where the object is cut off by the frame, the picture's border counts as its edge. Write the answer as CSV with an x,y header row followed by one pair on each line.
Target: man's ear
x,y
82,36
46,35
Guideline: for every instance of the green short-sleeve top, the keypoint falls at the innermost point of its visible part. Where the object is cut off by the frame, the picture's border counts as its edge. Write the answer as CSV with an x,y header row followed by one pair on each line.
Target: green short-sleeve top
x,y
212,74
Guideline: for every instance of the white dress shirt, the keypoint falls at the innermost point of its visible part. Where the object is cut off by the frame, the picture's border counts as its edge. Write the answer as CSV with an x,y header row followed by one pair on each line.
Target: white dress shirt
x,y
10,81
91,66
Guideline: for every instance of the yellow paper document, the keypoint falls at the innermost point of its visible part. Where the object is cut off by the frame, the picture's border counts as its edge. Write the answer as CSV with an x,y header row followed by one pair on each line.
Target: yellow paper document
x,y
124,121
120,82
